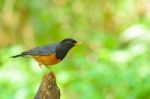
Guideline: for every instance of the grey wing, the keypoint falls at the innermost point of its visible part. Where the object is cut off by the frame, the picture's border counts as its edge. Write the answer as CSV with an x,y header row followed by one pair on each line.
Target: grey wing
x,y
43,50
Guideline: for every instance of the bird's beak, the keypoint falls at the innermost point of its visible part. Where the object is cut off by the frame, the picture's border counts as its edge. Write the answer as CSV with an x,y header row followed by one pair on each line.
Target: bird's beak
x,y
78,43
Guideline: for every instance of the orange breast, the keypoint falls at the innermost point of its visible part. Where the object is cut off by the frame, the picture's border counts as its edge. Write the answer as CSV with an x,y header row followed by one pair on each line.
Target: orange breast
x,y
47,59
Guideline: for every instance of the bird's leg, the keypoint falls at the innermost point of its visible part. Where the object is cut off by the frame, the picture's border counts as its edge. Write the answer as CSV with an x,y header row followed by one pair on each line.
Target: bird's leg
x,y
49,68
50,71
40,65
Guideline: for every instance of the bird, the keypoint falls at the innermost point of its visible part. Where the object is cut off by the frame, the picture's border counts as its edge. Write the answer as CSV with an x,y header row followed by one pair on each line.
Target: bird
x,y
50,54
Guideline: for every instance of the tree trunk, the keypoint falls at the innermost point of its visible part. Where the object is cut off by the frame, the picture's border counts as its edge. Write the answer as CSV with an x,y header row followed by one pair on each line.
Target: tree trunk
x,y
48,88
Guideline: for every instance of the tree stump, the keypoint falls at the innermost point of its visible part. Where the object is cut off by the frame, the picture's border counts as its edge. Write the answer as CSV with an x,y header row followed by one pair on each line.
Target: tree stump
x,y
48,88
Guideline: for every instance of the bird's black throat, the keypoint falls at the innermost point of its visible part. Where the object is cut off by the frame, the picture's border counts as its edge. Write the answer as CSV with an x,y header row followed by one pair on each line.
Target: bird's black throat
x,y
62,50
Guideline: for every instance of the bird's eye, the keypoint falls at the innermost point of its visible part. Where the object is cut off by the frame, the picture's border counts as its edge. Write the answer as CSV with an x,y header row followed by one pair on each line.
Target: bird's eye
x,y
68,42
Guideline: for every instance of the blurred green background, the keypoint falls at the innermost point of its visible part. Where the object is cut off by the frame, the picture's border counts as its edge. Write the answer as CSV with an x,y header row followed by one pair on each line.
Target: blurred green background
x,y
112,63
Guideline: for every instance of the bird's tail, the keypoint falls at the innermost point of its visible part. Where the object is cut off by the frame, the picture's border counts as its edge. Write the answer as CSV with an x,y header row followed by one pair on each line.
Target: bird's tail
x,y
19,55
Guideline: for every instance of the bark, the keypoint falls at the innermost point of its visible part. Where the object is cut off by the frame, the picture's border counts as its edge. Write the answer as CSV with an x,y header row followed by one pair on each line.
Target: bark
x,y
48,88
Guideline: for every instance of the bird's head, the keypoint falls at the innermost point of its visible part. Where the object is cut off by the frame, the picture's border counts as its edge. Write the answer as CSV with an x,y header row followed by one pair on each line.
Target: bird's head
x,y
69,43
64,46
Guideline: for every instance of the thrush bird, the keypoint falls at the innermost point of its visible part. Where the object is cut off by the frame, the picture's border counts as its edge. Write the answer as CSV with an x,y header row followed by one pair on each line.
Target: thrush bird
x,y
50,54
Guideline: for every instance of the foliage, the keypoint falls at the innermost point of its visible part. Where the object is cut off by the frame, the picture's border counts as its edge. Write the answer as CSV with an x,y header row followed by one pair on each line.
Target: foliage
x,y
112,63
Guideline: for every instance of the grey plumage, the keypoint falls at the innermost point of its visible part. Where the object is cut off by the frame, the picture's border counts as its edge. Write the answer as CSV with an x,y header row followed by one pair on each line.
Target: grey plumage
x,y
43,50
